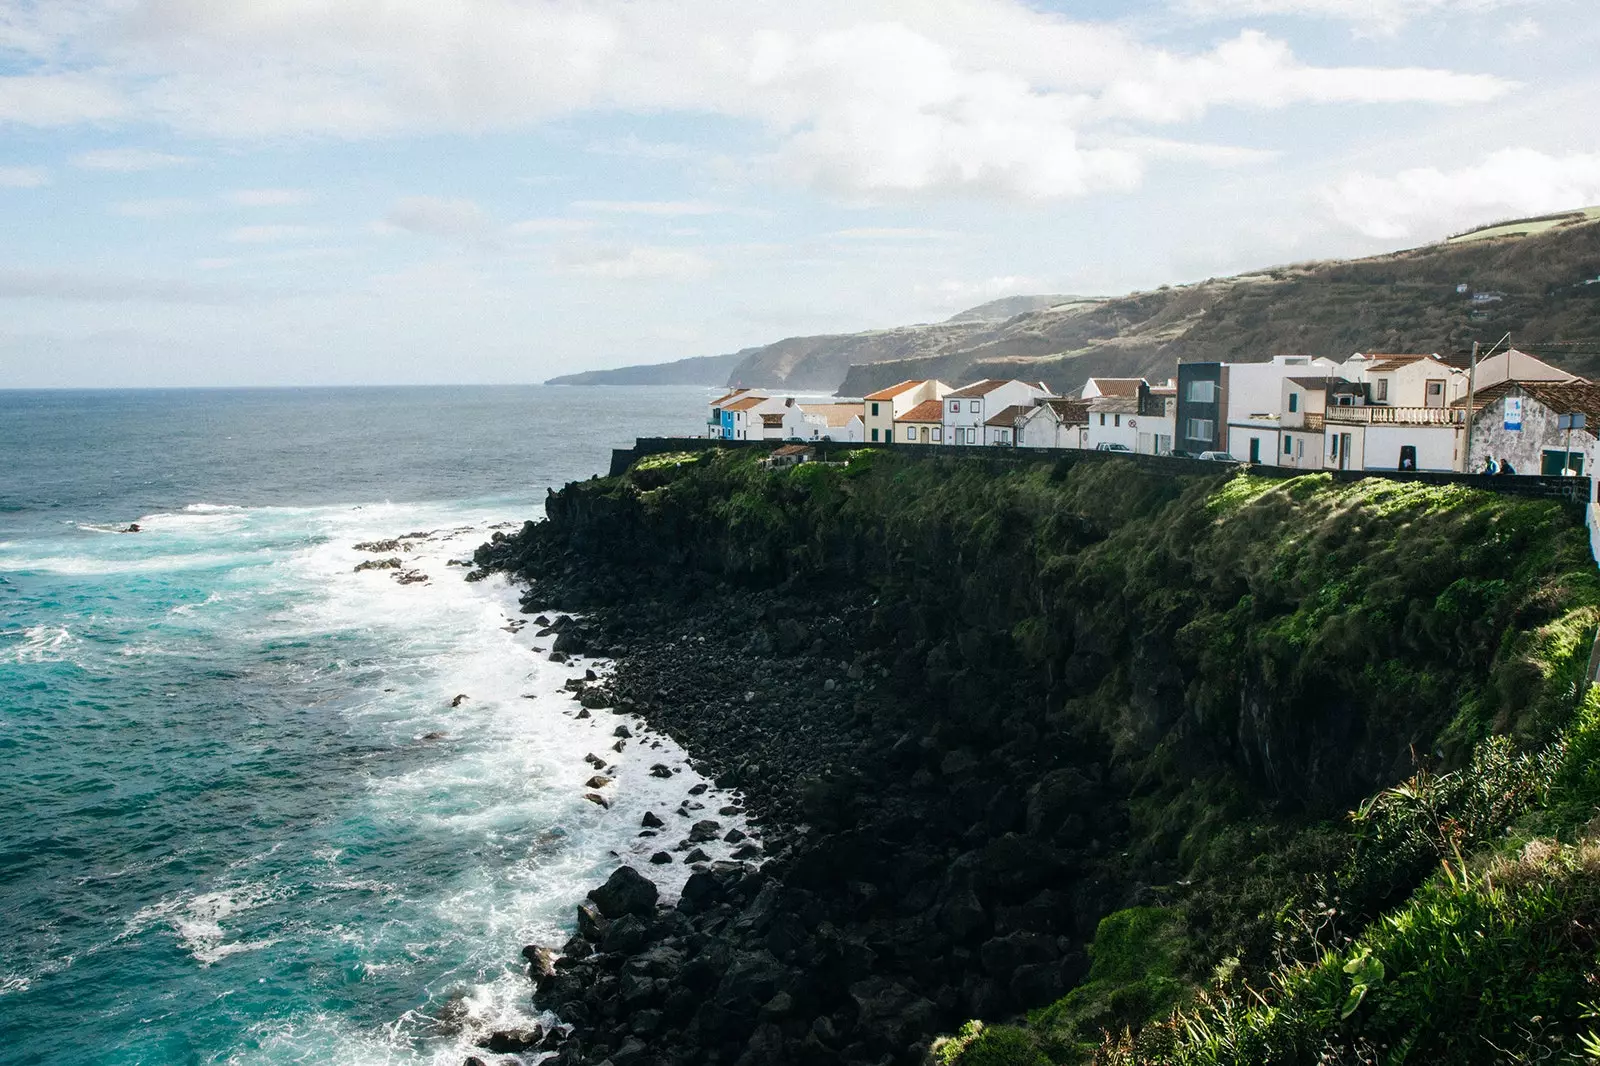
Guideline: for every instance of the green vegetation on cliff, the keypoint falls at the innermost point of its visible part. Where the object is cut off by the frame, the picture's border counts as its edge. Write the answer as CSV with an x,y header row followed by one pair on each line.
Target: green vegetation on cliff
x,y
1335,730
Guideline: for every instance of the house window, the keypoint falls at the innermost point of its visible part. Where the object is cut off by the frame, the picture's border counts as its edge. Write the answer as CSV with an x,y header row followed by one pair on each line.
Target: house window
x,y
1102,420
1382,393
1202,391
874,432
911,433
1116,420
1200,429
874,408
1288,446
938,434
955,407
972,405
1294,402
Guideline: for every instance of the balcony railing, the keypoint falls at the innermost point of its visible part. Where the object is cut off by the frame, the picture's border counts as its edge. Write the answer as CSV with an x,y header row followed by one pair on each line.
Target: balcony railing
x,y
1393,416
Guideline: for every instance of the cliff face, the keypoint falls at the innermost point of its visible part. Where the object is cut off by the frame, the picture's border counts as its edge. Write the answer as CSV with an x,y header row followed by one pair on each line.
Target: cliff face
x,y
1053,691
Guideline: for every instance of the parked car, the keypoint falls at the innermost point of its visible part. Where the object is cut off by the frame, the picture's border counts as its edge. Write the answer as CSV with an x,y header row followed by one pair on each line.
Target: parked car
x,y
1105,447
1217,457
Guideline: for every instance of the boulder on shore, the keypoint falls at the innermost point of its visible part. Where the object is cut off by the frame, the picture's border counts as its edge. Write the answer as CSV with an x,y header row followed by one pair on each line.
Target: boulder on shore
x,y
626,891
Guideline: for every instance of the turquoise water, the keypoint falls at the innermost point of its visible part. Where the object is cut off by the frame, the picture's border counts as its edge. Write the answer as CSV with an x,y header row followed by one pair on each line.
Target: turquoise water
x,y
226,835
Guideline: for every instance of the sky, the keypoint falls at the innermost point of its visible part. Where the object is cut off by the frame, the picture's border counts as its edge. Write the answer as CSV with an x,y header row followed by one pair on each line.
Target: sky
x,y
328,192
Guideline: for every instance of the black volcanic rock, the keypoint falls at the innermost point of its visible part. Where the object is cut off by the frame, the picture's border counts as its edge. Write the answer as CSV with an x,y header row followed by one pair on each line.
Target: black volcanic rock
x,y
626,891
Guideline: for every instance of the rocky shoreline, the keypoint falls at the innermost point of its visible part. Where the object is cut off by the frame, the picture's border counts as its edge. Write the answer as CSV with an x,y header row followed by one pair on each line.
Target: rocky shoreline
x,y
907,884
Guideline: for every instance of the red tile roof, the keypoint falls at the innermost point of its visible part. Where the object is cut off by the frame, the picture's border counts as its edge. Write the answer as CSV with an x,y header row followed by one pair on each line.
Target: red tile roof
x,y
1009,416
926,411
747,403
1117,386
1387,363
894,390
977,388
1073,412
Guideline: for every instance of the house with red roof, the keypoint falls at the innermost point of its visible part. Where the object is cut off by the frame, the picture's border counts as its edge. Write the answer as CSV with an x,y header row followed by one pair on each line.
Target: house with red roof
x,y
968,409
885,406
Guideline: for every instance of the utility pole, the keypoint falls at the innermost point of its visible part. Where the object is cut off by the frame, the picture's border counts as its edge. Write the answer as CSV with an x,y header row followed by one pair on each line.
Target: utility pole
x,y
1472,388
1472,391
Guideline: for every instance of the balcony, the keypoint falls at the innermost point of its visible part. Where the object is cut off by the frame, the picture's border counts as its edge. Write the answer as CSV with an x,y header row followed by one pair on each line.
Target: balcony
x,y
1392,416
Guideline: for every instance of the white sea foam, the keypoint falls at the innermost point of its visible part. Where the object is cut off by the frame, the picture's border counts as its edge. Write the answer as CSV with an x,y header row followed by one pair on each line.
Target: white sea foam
x,y
14,983
503,784
39,644
197,920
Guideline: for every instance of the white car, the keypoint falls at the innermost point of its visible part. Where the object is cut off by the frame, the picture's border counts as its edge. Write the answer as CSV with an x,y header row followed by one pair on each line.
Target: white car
x,y
1106,447
1217,457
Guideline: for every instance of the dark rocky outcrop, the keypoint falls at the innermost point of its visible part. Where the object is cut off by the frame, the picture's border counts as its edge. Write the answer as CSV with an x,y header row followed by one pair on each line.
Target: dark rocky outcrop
x,y
1045,688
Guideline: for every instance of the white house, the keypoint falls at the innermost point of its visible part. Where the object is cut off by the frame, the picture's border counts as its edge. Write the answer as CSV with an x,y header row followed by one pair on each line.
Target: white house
x,y
886,405
1113,419
834,421
784,421
1254,404
1005,428
967,409
922,424
1303,409
1055,424
741,417
719,423
1424,381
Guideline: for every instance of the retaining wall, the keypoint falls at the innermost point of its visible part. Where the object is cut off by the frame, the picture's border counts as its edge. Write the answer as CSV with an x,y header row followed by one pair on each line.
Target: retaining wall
x,y
1574,490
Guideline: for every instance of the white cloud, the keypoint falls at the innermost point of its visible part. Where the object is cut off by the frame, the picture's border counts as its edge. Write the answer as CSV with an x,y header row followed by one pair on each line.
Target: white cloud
x,y
160,207
127,160
1255,71
1383,16
535,226
1523,30
664,208
86,287
638,262
57,100
23,177
893,233
438,217
1427,202
1215,155
268,197
863,98
270,234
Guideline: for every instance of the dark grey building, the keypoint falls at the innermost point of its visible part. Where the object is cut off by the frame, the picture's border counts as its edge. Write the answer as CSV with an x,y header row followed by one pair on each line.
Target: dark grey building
x,y
1202,399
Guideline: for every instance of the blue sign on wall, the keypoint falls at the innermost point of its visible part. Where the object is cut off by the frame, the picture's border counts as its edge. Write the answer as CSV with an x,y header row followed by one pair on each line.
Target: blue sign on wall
x,y
1514,413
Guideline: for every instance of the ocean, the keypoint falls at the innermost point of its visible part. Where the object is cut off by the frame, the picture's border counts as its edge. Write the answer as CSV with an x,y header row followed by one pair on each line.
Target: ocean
x,y
243,817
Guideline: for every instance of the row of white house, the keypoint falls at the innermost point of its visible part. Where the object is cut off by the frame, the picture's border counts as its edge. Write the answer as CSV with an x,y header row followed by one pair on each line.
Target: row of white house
x,y
1369,412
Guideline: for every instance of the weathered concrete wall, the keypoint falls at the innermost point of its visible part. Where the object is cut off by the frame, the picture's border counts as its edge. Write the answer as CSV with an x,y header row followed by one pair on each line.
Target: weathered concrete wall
x,y
1525,447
